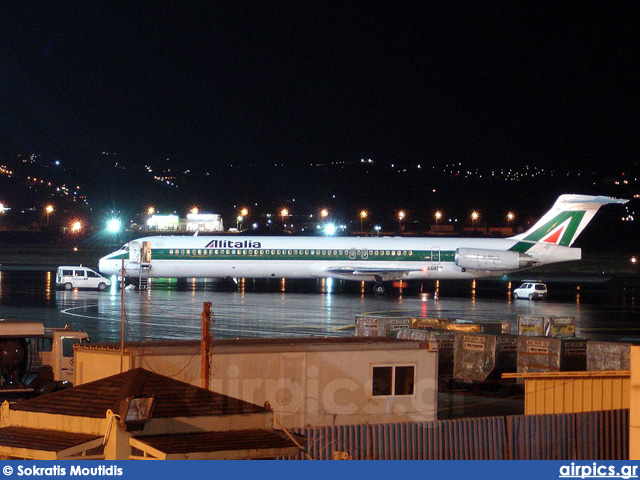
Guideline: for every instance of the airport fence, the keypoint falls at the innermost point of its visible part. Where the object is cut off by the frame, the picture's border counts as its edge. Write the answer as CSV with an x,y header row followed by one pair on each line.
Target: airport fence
x,y
602,435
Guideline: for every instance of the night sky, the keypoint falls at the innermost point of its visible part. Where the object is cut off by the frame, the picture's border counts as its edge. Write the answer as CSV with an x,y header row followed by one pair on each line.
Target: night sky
x,y
485,83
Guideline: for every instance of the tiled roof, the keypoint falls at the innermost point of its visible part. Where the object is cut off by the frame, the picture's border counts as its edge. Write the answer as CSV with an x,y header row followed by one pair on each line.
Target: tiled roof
x,y
47,440
216,441
172,398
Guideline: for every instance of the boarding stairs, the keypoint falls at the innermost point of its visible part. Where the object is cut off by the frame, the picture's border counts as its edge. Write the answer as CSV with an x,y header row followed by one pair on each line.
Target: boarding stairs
x,y
143,279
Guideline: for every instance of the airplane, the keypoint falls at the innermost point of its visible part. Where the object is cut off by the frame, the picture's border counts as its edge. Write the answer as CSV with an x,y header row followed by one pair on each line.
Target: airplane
x,y
376,259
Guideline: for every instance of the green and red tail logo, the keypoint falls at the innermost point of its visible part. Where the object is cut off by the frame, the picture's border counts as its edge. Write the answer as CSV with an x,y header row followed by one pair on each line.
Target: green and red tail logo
x,y
560,230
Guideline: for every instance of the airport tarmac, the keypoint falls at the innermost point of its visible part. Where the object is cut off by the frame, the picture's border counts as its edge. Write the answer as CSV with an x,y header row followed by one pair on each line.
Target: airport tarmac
x,y
285,308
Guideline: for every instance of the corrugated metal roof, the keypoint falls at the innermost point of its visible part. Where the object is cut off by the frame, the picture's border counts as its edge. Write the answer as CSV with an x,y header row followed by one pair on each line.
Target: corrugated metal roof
x,y
47,440
172,398
216,441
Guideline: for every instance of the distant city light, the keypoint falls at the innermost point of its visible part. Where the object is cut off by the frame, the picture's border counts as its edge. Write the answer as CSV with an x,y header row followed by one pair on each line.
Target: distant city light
x,y
284,213
151,211
324,213
244,212
195,210
633,260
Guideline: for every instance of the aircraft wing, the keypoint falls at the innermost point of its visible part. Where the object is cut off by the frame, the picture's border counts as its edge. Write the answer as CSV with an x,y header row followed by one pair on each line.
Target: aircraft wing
x,y
368,273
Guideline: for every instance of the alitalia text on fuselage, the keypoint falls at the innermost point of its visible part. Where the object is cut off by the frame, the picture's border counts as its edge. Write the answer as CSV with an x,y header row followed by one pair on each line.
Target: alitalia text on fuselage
x,y
233,244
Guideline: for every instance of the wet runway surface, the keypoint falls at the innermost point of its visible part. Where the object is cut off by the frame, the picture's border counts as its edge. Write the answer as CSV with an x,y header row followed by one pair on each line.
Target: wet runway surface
x,y
171,310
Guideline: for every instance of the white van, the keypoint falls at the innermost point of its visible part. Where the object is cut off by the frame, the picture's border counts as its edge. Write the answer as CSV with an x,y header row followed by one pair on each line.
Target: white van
x,y
70,277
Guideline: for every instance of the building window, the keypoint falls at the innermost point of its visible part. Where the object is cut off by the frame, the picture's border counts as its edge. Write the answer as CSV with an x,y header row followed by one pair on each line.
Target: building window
x,y
393,380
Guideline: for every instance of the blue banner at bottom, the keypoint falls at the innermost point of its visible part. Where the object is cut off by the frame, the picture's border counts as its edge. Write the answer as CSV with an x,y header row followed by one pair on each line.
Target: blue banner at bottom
x,y
388,470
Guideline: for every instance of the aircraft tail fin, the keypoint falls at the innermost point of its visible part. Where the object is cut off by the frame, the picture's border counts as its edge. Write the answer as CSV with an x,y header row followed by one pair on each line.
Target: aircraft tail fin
x,y
567,218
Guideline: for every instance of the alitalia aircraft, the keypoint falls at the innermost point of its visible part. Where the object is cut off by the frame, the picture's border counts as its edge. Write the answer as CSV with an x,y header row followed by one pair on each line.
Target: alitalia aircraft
x,y
376,259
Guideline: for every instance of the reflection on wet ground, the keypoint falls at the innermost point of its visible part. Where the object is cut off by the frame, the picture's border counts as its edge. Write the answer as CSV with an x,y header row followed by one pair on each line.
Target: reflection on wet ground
x,y
279,308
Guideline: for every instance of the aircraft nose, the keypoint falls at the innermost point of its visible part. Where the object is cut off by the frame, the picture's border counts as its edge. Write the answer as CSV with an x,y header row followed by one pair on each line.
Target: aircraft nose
x,y
103,266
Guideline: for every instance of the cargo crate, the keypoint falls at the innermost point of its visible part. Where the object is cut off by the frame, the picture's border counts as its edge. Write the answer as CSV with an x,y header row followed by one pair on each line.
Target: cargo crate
x,y
481,357
549,354
608,356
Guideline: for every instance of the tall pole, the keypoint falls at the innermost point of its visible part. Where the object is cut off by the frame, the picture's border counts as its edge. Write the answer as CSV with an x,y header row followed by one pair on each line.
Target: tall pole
x,y
122,318
205,343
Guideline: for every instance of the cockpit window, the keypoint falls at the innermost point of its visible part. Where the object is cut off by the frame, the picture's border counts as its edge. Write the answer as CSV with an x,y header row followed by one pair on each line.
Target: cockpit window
x,y
125,247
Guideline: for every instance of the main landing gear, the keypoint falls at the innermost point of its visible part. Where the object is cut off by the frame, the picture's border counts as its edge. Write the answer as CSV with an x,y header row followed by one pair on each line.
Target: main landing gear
x,y
379,287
